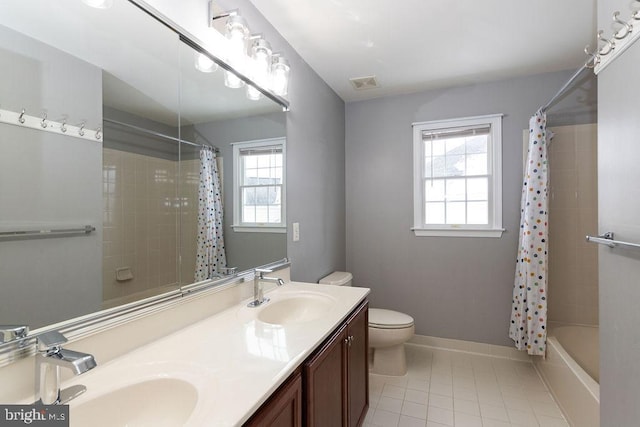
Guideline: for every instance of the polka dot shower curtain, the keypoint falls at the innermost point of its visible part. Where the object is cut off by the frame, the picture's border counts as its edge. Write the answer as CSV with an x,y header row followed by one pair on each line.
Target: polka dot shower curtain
x,y
210,256
528,326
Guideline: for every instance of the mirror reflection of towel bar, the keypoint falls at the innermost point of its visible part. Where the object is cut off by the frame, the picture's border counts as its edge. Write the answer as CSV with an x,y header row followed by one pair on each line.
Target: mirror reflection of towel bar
x,y
608,240
39,234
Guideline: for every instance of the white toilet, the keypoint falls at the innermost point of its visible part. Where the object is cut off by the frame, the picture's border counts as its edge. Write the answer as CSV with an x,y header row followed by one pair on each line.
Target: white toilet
x,y
388,331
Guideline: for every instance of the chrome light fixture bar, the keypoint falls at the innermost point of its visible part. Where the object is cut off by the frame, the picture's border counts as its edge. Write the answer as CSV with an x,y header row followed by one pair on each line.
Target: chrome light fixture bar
x,y
198,45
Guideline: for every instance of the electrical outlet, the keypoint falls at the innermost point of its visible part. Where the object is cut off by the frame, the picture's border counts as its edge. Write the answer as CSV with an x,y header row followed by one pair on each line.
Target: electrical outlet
x,y
296,231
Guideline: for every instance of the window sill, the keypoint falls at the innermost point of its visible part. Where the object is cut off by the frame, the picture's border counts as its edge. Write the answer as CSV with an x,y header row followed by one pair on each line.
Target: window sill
x,y
459,232
258,229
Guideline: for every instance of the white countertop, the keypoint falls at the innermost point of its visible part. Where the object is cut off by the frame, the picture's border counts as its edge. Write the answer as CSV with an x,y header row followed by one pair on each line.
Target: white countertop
x,y
233,360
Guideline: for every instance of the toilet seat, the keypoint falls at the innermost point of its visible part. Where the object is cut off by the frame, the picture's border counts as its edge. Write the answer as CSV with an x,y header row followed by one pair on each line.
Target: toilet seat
x,y
380,318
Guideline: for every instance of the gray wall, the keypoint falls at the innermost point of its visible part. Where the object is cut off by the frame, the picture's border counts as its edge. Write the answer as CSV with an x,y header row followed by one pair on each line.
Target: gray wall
x,y
315,146
49,181
618,206
453,287
245,250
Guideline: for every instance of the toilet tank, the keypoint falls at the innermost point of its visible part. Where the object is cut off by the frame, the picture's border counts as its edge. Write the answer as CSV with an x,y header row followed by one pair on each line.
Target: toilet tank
x,y
338,278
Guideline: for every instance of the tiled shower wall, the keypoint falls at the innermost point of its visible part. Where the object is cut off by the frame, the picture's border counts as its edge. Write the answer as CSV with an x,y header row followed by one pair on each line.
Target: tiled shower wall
x,y
573,213
140,224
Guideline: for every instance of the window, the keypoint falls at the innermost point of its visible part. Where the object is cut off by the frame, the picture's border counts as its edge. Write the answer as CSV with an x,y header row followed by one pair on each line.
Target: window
x,y
457,177
259,186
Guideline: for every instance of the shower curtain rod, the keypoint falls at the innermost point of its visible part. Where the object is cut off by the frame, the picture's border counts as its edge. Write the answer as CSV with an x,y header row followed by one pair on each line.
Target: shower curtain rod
x,y
158,134
565,87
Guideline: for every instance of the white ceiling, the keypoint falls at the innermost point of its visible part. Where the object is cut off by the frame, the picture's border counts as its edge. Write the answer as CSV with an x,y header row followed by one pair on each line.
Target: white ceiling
x,y
412,45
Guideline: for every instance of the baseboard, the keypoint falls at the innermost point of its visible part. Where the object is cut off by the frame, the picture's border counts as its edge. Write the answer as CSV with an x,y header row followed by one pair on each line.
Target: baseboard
x,y
449,344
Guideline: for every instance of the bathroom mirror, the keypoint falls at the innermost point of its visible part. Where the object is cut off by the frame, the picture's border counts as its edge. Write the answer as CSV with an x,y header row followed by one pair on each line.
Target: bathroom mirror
x,y
99,175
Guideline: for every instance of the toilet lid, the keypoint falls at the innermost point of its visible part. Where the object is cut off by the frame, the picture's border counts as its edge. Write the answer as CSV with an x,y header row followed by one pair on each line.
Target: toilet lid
x,y
388,319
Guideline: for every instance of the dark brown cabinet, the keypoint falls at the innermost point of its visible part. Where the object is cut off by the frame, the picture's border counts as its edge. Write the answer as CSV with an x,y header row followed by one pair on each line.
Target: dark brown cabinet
x,y
335,377
332,388
284,407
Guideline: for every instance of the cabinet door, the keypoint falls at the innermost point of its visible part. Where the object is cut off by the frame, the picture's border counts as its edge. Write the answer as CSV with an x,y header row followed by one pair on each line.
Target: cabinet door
x,y
325,385
284,407
358,366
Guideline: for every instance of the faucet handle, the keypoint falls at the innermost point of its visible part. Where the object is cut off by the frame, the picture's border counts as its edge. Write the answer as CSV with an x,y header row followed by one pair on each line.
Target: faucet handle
x,y
49,340
12,332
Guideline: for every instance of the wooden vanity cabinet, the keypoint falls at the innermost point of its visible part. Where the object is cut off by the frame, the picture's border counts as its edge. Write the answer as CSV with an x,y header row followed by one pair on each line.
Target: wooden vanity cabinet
x,y
336,376
331,388
284,407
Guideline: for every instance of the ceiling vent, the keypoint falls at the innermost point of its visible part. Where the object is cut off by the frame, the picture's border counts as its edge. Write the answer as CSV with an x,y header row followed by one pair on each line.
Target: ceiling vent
x,y
364,83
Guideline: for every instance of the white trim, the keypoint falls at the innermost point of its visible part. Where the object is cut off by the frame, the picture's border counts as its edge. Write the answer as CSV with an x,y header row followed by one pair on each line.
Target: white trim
x,y
471,347
258,229
458,232
447,123
494,228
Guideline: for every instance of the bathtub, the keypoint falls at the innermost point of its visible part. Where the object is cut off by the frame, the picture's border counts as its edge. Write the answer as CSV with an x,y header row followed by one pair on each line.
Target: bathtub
x,y
571,371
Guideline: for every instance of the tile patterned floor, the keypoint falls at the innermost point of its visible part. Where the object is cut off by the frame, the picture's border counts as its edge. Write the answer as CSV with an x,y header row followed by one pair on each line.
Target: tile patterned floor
x,y
444,388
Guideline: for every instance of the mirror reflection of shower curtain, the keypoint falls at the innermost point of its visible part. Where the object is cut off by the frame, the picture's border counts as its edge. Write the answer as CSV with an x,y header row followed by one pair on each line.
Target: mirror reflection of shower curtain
x,y
210,256
528,327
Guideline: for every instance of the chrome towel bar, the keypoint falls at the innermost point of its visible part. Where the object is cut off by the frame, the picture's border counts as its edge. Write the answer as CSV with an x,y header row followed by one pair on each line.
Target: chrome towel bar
x,y
608,240
39,234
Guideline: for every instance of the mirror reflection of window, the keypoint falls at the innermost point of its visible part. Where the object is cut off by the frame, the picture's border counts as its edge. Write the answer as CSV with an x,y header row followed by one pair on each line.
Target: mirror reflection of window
x,y
259,185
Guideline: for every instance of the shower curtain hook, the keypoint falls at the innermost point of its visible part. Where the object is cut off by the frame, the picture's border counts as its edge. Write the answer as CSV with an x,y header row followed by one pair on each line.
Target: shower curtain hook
x,y
625,26
43,123
98,133
609,44
81,131
21,118
63,126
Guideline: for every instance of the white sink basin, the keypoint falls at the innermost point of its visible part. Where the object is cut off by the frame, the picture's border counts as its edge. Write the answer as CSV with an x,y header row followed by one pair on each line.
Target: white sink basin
x,y
158,402
295,309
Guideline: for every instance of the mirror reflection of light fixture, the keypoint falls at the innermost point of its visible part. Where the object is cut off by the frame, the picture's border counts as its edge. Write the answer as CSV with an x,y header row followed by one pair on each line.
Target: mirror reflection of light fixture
x,y
232,81
280,75
204,63
261,61
99,4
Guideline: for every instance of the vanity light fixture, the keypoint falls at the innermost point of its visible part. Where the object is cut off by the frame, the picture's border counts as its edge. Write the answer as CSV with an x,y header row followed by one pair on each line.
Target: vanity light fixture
x,y
99,4
204,63
258,63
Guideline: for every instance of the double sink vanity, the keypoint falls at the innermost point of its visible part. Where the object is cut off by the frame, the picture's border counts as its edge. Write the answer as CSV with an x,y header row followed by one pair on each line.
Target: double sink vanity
x,y
279,362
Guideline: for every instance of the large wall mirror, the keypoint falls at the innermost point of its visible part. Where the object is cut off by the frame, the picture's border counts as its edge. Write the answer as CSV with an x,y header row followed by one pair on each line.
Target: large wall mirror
x,y
108,124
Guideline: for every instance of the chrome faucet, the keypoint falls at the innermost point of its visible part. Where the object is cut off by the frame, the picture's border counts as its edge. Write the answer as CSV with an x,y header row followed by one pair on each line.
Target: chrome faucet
x,y
50,357
258,278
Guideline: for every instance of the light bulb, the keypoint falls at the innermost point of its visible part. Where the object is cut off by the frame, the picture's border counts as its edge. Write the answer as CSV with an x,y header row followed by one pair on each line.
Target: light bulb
x,y
237,34
261,58
205,64
280,76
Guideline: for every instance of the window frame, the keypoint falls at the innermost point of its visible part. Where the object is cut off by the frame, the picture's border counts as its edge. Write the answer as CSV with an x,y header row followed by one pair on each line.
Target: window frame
x,y
494,151
251,227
